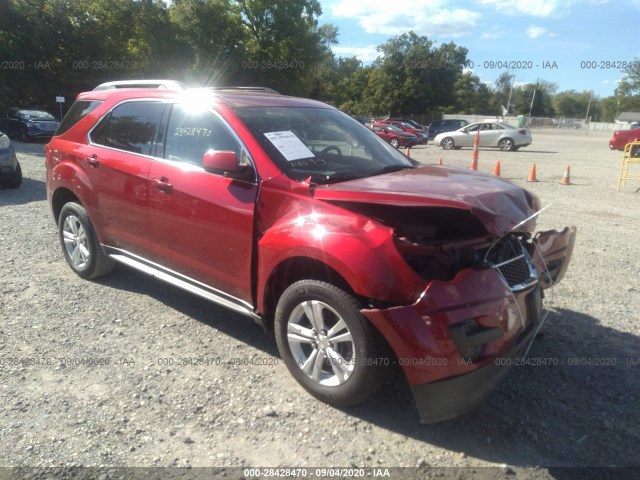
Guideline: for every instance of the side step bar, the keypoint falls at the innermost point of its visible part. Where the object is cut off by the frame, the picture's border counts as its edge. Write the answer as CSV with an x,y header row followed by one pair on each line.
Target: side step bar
x,y
183,282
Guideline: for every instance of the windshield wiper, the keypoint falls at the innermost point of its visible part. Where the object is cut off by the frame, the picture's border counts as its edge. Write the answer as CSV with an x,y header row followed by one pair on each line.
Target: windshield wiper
x,y
334,178
391,168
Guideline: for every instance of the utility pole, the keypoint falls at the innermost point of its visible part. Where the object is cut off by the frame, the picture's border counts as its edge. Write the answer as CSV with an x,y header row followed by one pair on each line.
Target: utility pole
x,y
586,118
533,97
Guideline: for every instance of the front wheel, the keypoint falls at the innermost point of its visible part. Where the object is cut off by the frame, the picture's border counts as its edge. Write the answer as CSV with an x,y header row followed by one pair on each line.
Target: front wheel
x,y
80,244
448,143
327,345
394,142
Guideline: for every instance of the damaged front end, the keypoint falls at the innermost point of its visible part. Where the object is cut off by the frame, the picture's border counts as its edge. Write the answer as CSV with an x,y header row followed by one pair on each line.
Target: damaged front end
x,y
471,239
481,308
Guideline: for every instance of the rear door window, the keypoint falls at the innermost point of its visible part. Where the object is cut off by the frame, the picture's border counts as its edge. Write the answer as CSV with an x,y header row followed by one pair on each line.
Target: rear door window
x,y
130,126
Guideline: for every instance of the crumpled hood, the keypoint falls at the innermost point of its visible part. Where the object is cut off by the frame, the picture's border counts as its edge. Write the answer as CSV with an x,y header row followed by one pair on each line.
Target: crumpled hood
x,y
497,203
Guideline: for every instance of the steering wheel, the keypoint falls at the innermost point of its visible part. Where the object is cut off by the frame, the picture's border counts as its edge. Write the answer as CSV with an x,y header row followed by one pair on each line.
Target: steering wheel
x,y
330,148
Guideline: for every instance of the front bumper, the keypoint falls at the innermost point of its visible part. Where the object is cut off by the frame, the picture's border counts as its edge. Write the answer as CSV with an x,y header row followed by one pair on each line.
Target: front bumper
x,y
452,397
455,343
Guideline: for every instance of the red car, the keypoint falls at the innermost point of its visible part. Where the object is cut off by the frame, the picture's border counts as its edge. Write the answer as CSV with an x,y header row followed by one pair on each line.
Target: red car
x,y
422,134
394,135
622,137
292,213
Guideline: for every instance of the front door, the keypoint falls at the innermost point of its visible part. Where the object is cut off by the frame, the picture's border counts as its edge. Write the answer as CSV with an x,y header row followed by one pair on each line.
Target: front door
x,y
201,222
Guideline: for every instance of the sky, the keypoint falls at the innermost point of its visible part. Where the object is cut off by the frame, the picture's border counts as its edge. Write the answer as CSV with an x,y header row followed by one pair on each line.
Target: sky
x,y
577,44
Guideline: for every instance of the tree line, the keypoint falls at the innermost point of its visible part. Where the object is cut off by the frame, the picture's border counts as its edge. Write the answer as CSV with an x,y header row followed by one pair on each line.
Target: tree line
x,y
51,48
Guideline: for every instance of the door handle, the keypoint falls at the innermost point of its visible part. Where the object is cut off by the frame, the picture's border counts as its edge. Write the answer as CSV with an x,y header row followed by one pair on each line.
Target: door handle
x,y
93,160
162,184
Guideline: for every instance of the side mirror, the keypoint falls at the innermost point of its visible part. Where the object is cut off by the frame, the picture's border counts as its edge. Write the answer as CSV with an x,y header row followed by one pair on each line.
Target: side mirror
x,y
225,163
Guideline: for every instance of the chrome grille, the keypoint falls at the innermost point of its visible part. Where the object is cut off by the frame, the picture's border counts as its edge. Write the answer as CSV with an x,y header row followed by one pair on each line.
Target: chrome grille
x,y
46,126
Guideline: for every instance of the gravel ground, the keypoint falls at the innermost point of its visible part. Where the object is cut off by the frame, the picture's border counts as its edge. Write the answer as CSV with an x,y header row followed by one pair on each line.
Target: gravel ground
x,y
136,403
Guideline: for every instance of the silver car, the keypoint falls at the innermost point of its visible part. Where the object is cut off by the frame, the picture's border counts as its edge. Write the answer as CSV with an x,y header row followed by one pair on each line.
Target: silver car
x,y
492,134
10,171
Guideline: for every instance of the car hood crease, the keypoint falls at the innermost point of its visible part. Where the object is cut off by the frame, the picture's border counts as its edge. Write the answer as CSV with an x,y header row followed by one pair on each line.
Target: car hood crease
x,y
498,204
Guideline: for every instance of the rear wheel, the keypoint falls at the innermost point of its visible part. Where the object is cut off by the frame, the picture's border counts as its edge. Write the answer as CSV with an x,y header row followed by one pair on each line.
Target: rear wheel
x,y
80,244
394,142
448,143
15,180
327,345
506,144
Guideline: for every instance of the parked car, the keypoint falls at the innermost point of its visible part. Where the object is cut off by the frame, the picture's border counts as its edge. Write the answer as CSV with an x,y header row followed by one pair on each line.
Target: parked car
x,y
357,258
10,171
622,137
492,134
394,135
28,124
421,134
411,122
439,126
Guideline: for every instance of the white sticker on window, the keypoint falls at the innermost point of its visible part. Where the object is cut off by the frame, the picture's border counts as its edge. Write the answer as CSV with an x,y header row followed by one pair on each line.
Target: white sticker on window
x,y
290,146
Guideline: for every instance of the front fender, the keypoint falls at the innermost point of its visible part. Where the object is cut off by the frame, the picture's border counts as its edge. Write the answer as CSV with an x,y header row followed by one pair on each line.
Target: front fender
x,y
361,250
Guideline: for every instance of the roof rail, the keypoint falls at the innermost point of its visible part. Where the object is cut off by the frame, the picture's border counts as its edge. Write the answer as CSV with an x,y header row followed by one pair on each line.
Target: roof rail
x,y
166,84
249,89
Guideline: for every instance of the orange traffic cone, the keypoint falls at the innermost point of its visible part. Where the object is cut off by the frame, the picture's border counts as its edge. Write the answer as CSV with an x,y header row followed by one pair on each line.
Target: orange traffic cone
x,y
532,174
565,179
476,152
407,152
496,169
440,161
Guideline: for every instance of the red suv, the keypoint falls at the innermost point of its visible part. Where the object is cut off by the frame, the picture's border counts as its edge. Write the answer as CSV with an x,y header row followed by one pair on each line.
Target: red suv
x,y
294,214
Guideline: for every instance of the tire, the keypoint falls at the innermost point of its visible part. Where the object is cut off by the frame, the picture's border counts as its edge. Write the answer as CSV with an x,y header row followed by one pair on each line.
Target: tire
x,y
447,143
317,320
394,142
80,245
506,144
15,180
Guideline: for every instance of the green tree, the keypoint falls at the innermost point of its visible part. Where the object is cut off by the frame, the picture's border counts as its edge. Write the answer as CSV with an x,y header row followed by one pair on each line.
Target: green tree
x,y
573,104
630,83
284,42
471,95
411,76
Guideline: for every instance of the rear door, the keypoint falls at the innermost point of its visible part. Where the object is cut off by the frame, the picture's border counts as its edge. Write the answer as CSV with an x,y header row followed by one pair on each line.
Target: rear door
x,y
382,132
490,134
117,161
202,223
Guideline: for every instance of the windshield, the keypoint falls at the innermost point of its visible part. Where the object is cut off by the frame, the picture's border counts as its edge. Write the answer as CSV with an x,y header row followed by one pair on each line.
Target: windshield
x,y
39,114
322,143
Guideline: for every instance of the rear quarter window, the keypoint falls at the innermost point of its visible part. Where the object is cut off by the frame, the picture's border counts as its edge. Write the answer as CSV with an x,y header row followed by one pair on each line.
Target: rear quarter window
x,y
79,110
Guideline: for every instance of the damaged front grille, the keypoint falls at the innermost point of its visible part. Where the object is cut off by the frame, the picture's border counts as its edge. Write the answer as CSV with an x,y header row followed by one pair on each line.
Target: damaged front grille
x,y
433,260
513,263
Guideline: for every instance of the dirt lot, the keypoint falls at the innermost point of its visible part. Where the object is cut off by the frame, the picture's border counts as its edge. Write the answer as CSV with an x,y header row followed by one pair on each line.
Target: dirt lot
x,y
90,372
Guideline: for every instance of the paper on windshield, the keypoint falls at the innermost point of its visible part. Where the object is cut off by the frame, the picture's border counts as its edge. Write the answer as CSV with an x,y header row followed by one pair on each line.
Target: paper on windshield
x,y
290,146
